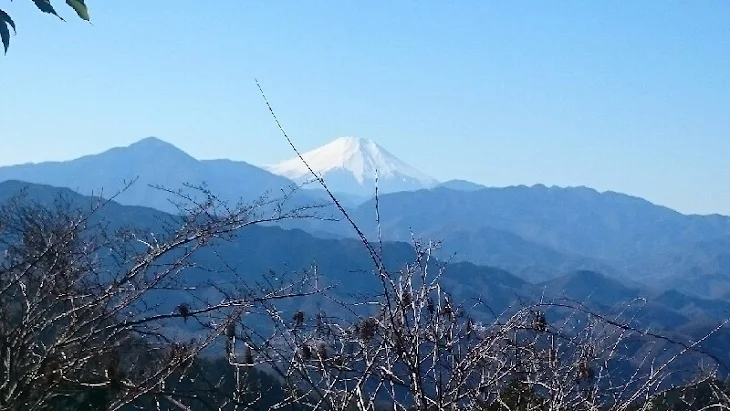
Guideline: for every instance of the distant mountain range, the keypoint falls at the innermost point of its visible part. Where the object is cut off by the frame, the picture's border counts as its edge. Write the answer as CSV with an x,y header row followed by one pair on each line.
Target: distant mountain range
x,y
461,185
577,220
538,233
541,232
154,163
350,164
344,263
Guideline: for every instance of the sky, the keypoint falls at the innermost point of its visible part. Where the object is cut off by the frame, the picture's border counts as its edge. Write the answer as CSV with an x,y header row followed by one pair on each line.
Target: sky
x,y
626,96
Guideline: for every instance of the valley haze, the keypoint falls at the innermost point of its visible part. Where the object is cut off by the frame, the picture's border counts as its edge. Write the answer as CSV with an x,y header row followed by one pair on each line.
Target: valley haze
x,y
536,232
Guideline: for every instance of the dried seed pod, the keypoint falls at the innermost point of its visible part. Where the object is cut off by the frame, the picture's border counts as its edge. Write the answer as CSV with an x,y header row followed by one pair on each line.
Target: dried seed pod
x,y
539,322
407,300
367,329
179,353
231,330
585,372
298,318
322,350
305,352
184,310
446,309
247,356
175,351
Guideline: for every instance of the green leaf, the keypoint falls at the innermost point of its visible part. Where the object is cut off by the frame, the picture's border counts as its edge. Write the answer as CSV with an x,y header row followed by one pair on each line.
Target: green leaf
x,y
4,17
80,7
46,7
5,35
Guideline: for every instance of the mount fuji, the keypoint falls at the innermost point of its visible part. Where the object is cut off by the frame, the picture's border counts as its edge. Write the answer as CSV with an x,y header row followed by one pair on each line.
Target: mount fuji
x,y
349,164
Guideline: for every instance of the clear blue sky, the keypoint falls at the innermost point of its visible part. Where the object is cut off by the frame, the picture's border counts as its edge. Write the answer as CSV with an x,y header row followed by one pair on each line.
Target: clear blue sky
x,y
625,96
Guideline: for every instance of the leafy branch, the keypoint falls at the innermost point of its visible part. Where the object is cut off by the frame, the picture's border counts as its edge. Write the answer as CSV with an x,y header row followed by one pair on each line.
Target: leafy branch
x,y
7,23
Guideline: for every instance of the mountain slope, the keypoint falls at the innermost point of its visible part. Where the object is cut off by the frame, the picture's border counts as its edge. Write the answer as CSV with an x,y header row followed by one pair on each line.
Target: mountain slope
x,y
345,264
343,260
606,226
702,269
542,232
349,164
462,185
503,249
258,249
153,162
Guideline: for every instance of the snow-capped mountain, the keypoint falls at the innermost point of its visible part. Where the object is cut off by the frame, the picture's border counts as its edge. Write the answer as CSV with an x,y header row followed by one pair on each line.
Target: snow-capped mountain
x,y
349,164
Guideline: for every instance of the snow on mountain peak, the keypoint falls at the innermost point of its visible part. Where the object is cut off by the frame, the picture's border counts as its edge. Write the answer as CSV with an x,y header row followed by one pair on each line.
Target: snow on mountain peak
x,y
358,158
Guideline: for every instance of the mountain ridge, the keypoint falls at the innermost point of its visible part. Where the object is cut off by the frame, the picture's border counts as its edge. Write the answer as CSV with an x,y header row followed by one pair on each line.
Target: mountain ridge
x,y
542,232
537,232
346,264
154,163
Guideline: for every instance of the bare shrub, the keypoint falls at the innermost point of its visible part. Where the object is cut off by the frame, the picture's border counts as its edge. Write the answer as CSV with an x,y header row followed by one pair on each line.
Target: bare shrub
x,y
97,316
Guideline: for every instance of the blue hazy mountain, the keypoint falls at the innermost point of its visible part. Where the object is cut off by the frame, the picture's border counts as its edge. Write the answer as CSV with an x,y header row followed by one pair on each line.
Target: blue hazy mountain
x,y
153,162
536,232
702,269
576,220
345,263
461,185
544,232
